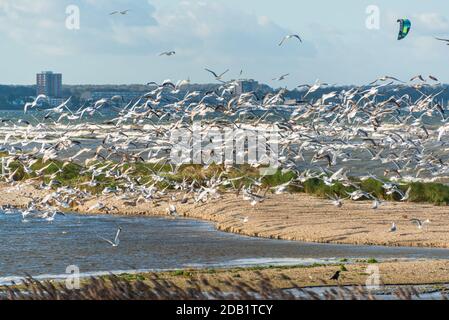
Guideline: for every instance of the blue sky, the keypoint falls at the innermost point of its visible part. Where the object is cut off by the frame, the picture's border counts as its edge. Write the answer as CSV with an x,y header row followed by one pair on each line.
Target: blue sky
x,y
221,34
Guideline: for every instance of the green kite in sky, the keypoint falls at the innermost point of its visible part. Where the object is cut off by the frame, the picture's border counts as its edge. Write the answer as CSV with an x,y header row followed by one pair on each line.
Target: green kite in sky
x,y
404,28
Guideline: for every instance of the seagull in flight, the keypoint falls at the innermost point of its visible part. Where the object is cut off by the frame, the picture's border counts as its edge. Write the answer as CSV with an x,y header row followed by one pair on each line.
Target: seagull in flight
x,y
121,12
217,77
419,77
168,53
50,216
434,78
33,104
281,77
116,241
420,224
291,36
336,201
444,40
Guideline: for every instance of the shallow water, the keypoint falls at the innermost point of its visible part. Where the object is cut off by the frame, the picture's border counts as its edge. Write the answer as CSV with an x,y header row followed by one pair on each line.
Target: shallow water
x,y
40,248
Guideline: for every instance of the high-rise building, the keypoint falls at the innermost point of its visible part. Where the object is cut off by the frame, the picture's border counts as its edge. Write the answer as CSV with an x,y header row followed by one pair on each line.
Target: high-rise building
x,y
245,86
49,83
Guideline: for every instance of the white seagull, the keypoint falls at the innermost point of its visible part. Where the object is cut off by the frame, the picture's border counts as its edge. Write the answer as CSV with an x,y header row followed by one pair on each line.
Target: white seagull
x,y
33,104
393,227
50,216
172,211
420,224
116,241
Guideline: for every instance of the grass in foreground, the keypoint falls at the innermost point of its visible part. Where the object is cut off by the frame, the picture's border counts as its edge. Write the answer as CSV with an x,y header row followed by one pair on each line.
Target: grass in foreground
x,y
119,288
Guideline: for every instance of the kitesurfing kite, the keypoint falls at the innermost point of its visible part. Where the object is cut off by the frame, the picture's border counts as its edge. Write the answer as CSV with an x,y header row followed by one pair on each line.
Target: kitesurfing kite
x,y
404,28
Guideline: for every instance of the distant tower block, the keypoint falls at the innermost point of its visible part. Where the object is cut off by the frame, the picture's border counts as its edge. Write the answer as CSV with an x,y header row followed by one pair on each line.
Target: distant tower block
x,y
49,83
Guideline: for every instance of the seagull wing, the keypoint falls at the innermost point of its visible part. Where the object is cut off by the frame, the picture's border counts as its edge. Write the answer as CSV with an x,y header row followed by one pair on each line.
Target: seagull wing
x,y
441,39
215,75
107,240
283,40
393,78
298,37
417,77
221,75
27,105
117,240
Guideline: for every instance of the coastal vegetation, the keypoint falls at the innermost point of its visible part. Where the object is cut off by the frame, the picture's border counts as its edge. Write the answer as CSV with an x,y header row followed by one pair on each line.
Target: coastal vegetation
x,y
57,173
153,288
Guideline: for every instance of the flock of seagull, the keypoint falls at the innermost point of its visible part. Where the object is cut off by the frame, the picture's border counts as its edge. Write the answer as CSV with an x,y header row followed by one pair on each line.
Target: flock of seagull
x,y
367,132
332,137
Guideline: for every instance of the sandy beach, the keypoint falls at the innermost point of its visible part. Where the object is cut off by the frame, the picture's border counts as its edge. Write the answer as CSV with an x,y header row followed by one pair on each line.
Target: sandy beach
x,y
390,273
298,217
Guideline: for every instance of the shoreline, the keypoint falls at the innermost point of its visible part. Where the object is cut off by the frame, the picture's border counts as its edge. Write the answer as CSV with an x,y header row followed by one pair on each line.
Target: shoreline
x,y
292,217
391,273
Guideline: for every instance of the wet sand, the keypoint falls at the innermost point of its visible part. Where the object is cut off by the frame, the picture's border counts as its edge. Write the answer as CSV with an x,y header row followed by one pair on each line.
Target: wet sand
x,y
395,273
296,217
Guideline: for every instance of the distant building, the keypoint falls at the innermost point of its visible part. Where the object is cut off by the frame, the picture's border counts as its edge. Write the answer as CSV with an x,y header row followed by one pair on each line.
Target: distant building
x,y
50,84
245,86
54,102
291,102
123,96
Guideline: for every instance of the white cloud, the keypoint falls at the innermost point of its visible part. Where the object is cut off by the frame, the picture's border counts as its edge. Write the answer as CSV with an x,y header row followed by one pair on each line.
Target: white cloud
x,y
209,27
203,33
431,22
40,24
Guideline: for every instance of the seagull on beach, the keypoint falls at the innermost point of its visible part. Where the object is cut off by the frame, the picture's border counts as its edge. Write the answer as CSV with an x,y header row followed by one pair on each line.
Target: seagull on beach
x,y
116,241
172,211
393,228
98,206
376,204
